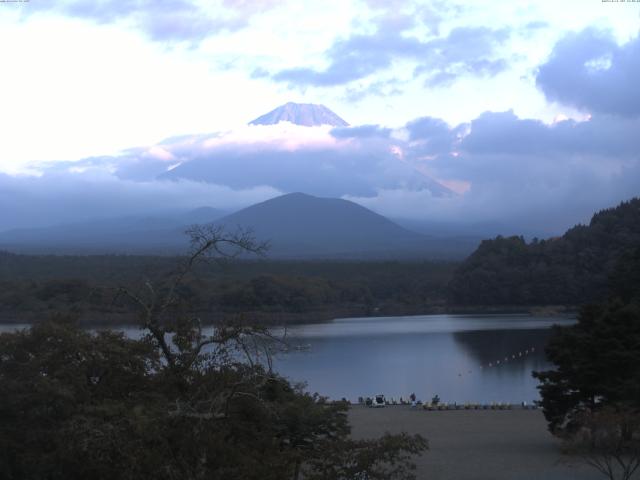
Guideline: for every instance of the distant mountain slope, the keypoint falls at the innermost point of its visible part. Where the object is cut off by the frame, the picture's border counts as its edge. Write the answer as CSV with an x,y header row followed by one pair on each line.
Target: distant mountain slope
x,y
306,114
300,225
297,225
317,220
132,234
572,269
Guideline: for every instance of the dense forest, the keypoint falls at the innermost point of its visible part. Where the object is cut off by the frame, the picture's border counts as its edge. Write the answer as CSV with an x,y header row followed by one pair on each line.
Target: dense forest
x,y
33,287
570,270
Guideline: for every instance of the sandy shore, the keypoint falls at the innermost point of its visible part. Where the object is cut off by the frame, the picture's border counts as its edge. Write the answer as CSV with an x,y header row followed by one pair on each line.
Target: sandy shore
x,y
476,444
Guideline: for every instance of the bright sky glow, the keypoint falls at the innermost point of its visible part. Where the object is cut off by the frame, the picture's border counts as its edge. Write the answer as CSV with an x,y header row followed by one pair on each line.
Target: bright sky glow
x,y
75,85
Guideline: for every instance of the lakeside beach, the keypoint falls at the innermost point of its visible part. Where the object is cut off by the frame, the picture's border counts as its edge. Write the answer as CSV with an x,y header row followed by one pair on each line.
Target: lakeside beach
x,y
476,444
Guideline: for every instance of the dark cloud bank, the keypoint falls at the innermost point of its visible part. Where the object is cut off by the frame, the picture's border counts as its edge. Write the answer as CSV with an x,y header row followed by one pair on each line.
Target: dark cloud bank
x,y
590,71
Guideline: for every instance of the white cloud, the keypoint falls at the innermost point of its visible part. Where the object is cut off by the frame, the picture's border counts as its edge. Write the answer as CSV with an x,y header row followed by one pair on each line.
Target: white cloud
x,y
283,136
86,87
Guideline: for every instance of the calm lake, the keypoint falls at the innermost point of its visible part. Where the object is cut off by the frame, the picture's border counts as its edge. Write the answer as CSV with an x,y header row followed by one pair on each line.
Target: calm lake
x,y
462,358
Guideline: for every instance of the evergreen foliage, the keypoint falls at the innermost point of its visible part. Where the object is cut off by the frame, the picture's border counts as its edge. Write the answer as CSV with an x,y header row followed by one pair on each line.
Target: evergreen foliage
x,y
570,270
597,360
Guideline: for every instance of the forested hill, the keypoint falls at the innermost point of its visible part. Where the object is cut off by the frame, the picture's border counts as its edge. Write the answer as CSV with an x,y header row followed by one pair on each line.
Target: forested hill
x,y
572,269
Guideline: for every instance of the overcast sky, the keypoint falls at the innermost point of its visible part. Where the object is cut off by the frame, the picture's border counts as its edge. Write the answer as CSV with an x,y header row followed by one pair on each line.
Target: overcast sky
x,y
510,104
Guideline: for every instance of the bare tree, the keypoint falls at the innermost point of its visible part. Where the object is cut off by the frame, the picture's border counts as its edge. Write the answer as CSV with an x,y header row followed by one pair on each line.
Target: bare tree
x,y
182,340
609,441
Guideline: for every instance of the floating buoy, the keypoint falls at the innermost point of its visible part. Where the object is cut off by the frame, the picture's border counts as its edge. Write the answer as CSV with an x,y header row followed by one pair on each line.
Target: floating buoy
x,y
506,359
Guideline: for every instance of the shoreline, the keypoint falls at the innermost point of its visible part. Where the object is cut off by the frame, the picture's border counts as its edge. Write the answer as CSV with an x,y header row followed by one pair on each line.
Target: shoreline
x,y
476,444
122,319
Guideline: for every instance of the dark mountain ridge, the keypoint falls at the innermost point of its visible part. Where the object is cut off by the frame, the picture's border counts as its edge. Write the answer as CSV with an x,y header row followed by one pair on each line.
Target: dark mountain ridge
x,y
300,225
297,226
572,269
297,223
130,234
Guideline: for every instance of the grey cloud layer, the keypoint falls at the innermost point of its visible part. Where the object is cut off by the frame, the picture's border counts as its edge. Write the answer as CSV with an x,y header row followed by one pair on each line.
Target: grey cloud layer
x,y
65,198
590,71
504,133
161,20
361,131
521,172
432,136
361,165
528,172
465,50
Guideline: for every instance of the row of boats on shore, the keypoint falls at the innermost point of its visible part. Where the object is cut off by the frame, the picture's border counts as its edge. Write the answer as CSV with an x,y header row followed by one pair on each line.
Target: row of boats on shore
x,y
378,401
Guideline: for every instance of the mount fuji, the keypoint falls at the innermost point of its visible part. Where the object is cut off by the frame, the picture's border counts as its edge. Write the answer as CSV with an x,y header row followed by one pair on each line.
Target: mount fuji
x,y
305,114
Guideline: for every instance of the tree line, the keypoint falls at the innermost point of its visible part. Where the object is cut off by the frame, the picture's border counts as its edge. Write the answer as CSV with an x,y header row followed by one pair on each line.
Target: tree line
x,y
569,270
33,287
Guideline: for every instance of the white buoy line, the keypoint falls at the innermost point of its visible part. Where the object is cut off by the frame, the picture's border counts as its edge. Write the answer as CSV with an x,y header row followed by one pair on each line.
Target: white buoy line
x,y
503,361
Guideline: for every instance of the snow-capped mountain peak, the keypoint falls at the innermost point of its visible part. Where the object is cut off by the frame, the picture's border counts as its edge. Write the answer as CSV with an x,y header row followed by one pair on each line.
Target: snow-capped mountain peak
x,y
306,114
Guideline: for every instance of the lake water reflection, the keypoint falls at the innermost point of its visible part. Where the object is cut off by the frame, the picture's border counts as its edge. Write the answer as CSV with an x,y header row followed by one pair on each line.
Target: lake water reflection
x,y
454,356
475,358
